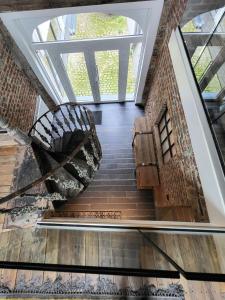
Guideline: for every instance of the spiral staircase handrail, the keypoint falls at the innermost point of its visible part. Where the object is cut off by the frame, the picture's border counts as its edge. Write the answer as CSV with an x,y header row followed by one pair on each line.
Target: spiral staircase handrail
x,y
89,133
55,109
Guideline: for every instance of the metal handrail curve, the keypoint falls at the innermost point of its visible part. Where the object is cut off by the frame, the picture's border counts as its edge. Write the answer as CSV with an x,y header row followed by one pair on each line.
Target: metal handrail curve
x,y
91,132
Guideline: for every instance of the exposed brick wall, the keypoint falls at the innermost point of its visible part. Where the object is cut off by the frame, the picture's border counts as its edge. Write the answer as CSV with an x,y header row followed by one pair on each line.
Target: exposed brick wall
x,y
179,177
17,95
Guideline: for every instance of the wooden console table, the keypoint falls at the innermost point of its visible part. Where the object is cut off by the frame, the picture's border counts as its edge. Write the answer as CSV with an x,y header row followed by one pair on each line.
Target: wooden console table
x,y
147,176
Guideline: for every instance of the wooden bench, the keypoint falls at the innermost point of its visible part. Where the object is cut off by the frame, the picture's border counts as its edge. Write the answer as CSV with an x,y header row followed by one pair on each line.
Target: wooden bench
x,y
147,176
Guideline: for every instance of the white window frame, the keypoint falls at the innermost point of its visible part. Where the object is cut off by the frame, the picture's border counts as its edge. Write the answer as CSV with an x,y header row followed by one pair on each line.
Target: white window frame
x,y
145,13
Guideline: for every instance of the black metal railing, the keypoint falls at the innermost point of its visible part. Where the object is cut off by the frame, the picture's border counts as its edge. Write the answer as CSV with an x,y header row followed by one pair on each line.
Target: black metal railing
x,y
67,149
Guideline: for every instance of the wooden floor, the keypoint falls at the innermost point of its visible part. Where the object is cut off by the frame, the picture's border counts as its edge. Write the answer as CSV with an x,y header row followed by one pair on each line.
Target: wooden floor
x,y
9,155
53,247
8,151
114,186
98,249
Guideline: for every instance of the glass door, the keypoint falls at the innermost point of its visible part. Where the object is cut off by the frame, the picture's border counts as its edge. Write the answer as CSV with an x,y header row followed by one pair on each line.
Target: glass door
x,y
107,72
77,72
101,74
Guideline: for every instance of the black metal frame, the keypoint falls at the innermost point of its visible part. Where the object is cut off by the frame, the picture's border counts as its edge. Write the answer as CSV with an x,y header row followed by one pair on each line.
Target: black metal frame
x,y
89,269
168,135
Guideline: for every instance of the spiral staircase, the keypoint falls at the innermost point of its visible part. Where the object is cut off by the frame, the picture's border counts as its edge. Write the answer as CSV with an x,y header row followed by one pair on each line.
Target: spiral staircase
x,y
68,152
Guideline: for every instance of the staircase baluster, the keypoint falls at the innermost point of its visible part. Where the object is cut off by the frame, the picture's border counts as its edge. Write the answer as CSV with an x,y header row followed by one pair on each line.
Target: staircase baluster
x,y
78,119
43,138
53,127
65,120
71,117
87,117
48,132
82,117
59,123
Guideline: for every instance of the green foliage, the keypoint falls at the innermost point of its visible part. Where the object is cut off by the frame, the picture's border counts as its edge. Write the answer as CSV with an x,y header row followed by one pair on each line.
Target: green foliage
x,y
97,25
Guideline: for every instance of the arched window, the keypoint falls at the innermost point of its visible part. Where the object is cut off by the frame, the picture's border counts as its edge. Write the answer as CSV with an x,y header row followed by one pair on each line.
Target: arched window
x,y
85,26
101,60
93,53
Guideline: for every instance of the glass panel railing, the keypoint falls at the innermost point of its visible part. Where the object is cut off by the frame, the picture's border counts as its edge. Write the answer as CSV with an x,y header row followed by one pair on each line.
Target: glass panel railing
x,y
166,253
198,255
99,251
207,56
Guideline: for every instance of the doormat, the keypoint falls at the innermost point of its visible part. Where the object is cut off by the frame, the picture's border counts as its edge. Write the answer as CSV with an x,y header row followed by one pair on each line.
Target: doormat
x,y
103,288
105,214
97,115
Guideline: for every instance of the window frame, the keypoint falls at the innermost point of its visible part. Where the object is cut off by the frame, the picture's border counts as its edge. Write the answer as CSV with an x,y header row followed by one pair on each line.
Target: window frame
x,y
167,120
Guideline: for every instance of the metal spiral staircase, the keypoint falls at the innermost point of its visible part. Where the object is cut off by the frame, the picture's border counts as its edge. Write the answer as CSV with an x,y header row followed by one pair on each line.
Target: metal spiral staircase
x,y
67,150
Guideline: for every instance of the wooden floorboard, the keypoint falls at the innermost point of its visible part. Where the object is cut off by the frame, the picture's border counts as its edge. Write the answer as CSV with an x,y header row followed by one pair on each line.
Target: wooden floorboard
x,y
118,249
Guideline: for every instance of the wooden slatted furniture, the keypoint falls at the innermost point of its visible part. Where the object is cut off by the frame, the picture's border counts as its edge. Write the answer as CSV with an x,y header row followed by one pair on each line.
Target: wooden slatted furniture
x,y
144,152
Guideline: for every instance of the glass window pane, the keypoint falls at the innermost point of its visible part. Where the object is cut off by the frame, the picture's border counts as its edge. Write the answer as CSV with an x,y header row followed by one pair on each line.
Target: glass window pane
x,y
134,57
78,75
108,74
88,26
213,86
203,23
202,63
171,137
165,146
167,116
169,126
162,124
163,134
51,73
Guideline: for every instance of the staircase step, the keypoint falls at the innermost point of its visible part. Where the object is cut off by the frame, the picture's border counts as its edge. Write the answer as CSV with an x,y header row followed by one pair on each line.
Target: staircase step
x,y
123,194
116,171
8,151
117,160
99,206
106,206
112,188
99,176
141,203
119,155
106,166
118,151
57,144
66,139
115,182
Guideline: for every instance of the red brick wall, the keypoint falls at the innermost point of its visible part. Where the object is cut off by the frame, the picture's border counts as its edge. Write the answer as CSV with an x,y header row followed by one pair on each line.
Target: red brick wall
x,y
17,95
179,177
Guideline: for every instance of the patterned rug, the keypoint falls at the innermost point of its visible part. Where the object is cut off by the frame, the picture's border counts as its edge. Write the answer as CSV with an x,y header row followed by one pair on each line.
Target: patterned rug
x,y
103,288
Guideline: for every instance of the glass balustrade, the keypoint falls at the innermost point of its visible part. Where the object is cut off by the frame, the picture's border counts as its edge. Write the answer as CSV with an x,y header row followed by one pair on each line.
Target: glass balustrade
x,y
206,47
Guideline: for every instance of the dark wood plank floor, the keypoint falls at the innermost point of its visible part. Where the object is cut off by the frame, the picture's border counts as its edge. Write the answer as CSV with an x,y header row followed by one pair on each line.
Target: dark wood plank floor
x,y
114,185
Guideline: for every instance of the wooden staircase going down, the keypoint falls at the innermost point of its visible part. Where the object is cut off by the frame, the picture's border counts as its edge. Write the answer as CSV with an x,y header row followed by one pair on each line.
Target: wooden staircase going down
x,y
113,192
